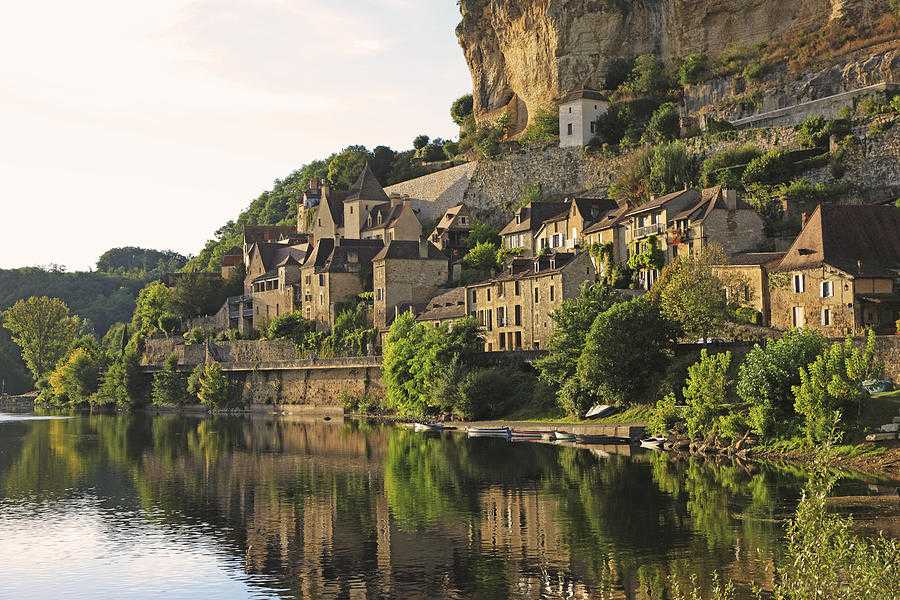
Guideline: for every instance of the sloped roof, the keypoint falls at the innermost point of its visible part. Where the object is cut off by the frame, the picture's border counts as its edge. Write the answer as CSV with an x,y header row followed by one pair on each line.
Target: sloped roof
x,y
583,94
756,258
267,233
272,253
533,215
328,257
525,268
710,199
449,219
610,219
661,201
408,250
862,241
334,201
389,215
367,187
446,306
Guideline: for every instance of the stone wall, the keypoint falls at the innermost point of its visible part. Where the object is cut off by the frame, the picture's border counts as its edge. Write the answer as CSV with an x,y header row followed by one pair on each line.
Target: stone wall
x,y
433,194
318,388
888,349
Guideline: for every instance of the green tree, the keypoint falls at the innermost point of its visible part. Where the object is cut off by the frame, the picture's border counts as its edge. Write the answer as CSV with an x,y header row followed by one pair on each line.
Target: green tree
x,y
664,125
543,126
344,167
461,109
706,393
647,78
691,295
123,383
75,379
156,310
693,69
44,330
482,232
351,334
571,323
671,168
198,294
294,327
421,141
169,386
768,374
482,257
830,390
727,167
212,387
141,261
628,347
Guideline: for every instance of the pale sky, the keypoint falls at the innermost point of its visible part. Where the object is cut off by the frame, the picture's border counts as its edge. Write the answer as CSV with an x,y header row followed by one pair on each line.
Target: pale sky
x,y
127,123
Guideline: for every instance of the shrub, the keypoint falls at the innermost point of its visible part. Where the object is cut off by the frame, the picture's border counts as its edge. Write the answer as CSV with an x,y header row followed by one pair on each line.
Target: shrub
x,y
664,125
693,69
872,106
493,392
482,258
815,131
769,372
627,347
576,397
664,416
76,378
671,168
770,168
295,327
647,78
212,386
747,315
461,109
543,127
727,167
451,150
617,72
831,389
169,386
705,393
753,71
431,153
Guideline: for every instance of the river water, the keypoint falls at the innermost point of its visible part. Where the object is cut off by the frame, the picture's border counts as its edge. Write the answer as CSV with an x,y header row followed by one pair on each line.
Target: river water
x,y
121,507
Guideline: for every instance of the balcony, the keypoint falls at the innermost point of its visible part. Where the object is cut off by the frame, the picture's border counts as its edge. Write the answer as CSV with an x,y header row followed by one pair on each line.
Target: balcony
x,y
640,232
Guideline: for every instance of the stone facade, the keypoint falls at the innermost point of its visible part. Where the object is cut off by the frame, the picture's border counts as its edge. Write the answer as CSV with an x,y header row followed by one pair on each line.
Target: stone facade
x,y
404,280
578,116
313,387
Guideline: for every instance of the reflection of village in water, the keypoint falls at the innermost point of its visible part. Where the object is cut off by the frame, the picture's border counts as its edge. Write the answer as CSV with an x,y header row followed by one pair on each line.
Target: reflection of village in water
x,y
320,510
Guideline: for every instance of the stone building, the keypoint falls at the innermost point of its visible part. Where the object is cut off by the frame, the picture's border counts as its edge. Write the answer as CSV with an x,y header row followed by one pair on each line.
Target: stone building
x,y
334,274
232,260
566,230
607,230
842,273
447,307
452,230
520,231
394,221
578,115
406,275
271,286
746,279
514,308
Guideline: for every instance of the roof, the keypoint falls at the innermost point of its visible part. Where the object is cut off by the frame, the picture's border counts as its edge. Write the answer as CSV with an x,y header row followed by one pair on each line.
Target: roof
x,y
710,199
583,94
267,233
749,259
610,219
450,221
329,257
533,215
389,215
862,241
526,268
232,260
409,250
661,201
446,306
272,254
335,203
367,187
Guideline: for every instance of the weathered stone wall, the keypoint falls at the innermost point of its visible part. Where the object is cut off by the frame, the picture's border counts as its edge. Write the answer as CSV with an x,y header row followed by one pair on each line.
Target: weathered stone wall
x,y
433,194
319,388
888,348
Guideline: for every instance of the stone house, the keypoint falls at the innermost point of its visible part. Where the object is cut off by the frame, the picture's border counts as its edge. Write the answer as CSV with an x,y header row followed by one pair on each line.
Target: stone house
x,y
277,292
232,260
609,230
578,115
566,230
406,275
520,231
842,273
514,308
272,234
394,221
746,279
443,308
452,230
334,274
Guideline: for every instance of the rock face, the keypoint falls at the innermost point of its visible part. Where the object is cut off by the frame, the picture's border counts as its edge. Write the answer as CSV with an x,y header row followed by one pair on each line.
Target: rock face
x,y
525,54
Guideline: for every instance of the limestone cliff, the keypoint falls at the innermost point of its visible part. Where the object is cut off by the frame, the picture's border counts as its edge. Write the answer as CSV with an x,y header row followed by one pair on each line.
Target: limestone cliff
x,y
527,53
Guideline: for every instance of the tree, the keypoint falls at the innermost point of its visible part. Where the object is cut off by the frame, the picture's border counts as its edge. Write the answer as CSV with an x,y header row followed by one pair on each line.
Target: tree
x,y
44,331
482,258
198,294
664,125
344,167
156,310
169,386
647,78
727,167
142,261
461,109
692,296
351,334
831,388
76,378
382,162
671,168
293,326
123,383
571,323
768,374
421,141
706,393
693,69
212,387
481,232
628,347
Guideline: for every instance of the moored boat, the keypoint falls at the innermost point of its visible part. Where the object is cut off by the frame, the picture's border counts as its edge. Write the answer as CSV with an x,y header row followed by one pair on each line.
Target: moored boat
x,y
488,432
436,427
526,434
654,443
564,436
607,440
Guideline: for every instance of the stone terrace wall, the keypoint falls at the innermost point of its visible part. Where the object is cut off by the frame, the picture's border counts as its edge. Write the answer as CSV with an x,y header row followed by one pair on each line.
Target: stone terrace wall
x,y
888,349
433,194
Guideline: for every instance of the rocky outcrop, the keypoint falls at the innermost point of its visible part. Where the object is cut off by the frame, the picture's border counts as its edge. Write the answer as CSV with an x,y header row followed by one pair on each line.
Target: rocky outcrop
x,y
525,54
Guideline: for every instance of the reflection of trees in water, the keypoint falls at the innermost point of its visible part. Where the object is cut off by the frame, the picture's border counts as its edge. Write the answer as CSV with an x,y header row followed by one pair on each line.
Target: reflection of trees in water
x,y
319,507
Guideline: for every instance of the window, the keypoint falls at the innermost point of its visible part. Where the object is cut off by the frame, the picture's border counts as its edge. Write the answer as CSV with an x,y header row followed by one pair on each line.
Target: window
x,y
502,341
321,279
570,110
799,283
827,289
537,345
826,317
798,316
489,294
570,129
500,290
518,288
320,222
501,316
518,340
474,296
593,127
351,210
518,314
321,299
537,295
552,295
379,294
489,317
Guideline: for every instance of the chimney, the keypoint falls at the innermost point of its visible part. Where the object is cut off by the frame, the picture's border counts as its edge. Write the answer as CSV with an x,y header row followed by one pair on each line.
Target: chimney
x,y
730,197
423,247
314,183
803,218
325,188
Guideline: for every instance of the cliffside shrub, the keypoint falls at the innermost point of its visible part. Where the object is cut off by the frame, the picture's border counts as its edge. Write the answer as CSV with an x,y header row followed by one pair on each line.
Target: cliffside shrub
x,y
768,374
815,131
658,170
648,77
706,394
693,69
830,390
727,167
628,347
296,328
664,125
543,126
461,109
771,168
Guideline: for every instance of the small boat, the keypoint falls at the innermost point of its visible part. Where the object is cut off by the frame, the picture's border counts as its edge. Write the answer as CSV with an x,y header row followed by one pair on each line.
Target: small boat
x,y
605,440
654,443
436,427
526,434
564,436
598,411
488,432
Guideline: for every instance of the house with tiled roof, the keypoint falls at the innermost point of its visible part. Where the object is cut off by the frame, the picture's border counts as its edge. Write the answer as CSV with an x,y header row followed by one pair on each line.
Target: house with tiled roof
x,y
608,231
521,229
565,231
446,307
842,273
746,280
452,230
393,221
406,275
334,274
272,281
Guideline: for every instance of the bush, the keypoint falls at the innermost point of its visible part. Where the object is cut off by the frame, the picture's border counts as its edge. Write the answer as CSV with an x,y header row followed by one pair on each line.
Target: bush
x,y
543,127
647,78
617,73
482,258
461,109
770,168
693,69
671,168
169,386
295,327
815,131
747,315
768,374
830,389
628,346
692,296
76,378
664,125
493,392
872,106
727,167
705,393
431,153
664,416
212,386
753,71
451,150
576,397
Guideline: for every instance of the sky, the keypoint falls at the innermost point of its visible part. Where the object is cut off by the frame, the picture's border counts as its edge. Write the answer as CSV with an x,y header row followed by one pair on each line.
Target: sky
x,y
153,123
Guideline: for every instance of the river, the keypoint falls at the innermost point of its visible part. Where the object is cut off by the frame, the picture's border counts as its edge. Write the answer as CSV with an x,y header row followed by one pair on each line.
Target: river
x,y
141,507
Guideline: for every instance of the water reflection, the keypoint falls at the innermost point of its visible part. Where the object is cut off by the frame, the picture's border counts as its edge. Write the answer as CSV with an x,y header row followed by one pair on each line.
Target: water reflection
x,y
232,507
